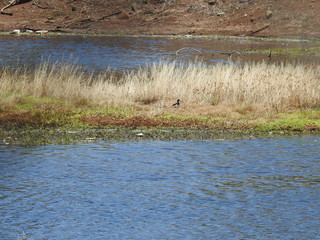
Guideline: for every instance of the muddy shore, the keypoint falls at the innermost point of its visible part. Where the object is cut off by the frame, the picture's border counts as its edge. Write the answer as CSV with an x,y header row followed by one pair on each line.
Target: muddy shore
x,y
29,137
259,18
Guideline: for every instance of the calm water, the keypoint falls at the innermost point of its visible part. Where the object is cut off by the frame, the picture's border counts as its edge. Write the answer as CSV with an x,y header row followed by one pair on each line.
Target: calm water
x,y
127,53
224,189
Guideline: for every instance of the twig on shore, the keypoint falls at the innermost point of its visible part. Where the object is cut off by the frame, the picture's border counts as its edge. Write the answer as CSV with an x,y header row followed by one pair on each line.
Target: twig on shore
x,y
259,30
109,15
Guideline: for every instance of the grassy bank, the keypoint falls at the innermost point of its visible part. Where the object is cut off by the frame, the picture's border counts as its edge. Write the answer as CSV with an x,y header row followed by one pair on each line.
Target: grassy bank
x,y
253,97
312,51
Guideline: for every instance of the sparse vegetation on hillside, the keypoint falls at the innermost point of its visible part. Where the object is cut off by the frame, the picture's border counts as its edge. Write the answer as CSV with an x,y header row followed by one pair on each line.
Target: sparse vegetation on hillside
x,y
203,17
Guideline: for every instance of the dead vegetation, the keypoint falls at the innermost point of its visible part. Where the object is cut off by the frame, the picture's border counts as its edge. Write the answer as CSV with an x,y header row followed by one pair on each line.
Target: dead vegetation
x,y
202,89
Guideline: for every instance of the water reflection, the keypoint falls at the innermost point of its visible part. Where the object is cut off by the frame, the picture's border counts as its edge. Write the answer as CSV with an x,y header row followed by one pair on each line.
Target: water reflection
x,y
231,189
126,53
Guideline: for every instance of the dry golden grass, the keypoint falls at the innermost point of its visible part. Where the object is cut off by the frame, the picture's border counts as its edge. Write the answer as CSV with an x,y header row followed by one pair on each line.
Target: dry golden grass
x,y
202,89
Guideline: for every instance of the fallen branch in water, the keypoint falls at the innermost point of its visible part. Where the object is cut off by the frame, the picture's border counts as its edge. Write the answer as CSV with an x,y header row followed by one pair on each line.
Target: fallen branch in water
x,y
185,48
230,53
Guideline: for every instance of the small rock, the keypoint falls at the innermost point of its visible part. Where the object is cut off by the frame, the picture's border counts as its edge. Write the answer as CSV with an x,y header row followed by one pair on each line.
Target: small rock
x,y
42,32
134,7
268,14
16,31
213,2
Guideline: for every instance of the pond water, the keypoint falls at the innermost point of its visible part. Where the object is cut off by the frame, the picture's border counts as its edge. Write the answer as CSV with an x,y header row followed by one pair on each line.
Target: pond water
x,y
267,188
127,53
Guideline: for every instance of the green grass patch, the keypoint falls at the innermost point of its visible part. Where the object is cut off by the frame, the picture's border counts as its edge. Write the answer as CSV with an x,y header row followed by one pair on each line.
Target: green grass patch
x,y
191,121
307,120
29,103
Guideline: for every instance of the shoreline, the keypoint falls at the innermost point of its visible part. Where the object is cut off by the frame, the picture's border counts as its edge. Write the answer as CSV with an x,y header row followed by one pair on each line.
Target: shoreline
x,y
37,137
173,36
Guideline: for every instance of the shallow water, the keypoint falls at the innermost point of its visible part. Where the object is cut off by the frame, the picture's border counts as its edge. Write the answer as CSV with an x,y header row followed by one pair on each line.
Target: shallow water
x,y
127,53
220,189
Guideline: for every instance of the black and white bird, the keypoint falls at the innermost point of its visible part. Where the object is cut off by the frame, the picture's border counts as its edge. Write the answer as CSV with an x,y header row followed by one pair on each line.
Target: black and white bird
x,y
177,104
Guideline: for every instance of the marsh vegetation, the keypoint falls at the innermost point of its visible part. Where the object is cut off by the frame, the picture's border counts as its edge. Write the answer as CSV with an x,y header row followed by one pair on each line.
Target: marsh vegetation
x,y
257,86
252,91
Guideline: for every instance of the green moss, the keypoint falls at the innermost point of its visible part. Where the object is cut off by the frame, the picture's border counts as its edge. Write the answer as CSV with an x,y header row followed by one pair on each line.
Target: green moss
x,y
29,103
120,112
297,121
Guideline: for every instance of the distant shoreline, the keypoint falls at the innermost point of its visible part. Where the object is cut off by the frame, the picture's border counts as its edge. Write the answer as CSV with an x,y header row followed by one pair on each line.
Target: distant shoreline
x,y
215,36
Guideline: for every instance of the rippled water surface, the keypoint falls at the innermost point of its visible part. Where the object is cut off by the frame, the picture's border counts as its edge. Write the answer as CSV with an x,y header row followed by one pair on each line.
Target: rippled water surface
x,y
127,53
223,189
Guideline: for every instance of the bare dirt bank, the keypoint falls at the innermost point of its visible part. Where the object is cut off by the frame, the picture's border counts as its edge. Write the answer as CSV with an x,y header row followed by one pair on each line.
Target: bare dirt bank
x,y
276,18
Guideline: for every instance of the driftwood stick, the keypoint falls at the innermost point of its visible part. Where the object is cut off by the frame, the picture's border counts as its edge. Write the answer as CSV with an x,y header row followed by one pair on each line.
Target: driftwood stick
x,y
12,3
259,30
177,52
7,6
5,13
110,15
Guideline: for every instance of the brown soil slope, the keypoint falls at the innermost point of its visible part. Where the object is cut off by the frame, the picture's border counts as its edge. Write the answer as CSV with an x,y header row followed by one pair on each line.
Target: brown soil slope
x,y
278,18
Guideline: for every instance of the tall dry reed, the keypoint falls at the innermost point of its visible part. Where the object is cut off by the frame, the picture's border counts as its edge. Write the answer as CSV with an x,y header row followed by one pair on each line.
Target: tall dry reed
x,y
269,86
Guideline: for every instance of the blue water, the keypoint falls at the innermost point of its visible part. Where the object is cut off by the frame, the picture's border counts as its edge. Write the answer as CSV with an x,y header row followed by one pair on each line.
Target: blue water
x,y
127,53
221,189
